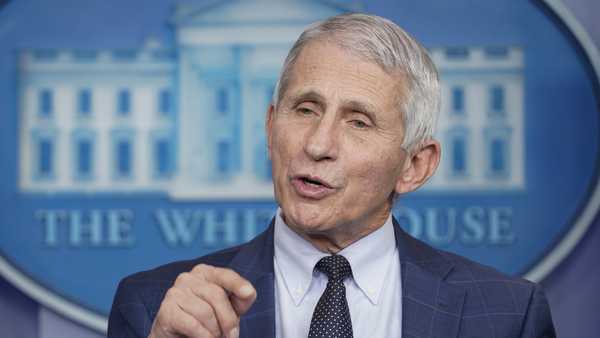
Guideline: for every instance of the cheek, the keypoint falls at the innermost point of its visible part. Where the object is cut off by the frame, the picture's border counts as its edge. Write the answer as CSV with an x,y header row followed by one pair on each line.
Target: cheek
x,y
287,137
377,175
281,151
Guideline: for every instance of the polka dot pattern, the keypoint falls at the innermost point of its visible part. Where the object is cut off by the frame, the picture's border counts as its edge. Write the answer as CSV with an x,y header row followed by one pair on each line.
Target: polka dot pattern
x,y
331,318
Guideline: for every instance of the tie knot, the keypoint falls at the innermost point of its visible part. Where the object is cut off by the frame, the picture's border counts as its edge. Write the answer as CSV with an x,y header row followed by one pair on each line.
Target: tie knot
x,y
336,267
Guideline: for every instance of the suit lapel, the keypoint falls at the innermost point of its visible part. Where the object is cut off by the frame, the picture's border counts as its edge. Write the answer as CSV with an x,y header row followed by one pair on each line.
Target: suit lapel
x,y
430,306
255,263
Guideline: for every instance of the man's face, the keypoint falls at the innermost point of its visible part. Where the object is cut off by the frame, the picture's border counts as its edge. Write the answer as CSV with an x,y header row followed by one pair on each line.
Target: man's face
x,y
335,142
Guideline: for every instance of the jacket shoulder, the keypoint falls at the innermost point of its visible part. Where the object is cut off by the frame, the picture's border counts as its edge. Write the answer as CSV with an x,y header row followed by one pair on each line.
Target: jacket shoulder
x,y
488,289
467,270
514,306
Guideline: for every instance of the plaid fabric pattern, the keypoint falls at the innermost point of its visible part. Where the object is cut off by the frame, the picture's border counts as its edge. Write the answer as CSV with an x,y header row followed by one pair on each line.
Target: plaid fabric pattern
x,y
444,295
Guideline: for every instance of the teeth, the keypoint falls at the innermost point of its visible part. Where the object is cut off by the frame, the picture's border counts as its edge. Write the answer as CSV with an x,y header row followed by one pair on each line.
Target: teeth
x,y
312,182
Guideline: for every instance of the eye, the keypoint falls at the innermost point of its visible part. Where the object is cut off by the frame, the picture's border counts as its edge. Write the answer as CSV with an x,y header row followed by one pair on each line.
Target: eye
x,y
359,119
360,124
305,111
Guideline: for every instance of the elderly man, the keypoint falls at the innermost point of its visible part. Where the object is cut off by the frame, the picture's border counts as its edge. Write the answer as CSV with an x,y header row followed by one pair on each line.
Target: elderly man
x,y
350,129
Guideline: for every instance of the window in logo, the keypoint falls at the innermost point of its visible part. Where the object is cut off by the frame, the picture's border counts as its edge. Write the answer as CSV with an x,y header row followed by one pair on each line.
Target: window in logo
x,y
498,161
164,55
46,103
457,53
459,150
85,55
497,100
223,158
496,52
45,55
84,102
125,55
458,100
498,146
83,151
164,102
123,154
222,101
163,156
44,154
46,150
124,102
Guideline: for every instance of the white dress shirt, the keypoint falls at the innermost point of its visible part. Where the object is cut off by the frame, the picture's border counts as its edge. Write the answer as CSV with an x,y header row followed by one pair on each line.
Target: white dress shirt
x,y
374,293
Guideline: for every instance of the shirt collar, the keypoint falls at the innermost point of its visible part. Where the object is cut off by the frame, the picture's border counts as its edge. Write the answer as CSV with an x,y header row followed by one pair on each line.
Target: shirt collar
x,y
296,259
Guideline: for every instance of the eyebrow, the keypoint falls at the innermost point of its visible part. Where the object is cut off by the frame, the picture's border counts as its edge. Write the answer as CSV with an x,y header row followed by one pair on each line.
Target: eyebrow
x,y
361,107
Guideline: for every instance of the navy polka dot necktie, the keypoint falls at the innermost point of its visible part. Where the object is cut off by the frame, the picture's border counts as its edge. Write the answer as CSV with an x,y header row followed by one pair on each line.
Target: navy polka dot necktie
x,y
332,316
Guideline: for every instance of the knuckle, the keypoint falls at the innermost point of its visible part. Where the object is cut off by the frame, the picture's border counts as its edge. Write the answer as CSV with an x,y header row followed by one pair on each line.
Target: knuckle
x,y
182,278
230,323
216,291
230,274
202,270
205,311
226,273
172,294
199,267
212,294
209,320
189,326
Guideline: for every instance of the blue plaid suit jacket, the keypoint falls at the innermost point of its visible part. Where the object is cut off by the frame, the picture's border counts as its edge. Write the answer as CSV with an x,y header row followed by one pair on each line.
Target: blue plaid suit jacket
x,y
443,295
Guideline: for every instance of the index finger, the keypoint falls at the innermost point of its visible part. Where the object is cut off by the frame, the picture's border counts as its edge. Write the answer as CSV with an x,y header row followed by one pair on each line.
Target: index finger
x,y
229,280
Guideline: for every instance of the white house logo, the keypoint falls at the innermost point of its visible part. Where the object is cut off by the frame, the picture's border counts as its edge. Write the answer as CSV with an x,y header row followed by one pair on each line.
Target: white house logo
x,y
136,120
129,157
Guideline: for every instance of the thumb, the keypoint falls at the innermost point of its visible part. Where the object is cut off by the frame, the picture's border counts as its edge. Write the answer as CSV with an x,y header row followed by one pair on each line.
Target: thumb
x,y
243,299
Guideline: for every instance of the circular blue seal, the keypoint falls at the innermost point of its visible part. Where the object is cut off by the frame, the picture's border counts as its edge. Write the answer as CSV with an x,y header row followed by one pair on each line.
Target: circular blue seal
x,y
136,141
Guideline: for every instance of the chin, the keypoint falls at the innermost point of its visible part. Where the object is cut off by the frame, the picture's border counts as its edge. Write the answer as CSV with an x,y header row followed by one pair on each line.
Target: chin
x,y
307,218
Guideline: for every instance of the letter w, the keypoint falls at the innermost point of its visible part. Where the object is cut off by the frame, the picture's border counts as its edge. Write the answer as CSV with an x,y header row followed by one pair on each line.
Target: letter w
x,y
177,226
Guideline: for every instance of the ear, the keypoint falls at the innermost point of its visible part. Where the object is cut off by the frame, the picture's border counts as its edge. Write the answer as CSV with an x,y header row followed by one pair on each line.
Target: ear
x,y
419,167
269,127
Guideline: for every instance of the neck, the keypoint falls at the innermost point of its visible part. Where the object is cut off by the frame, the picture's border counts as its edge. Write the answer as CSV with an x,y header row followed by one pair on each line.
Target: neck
x,y
334,240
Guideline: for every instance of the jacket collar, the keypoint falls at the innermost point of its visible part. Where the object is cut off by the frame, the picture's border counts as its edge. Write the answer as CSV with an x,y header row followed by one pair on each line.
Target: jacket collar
x,y
430,306
254,262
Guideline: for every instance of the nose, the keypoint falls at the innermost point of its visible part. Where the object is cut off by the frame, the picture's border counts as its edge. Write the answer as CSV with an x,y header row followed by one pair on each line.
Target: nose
x,y
322,140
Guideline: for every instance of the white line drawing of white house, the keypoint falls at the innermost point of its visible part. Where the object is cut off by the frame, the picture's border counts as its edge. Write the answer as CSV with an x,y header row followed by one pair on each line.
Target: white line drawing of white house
x,y
481,119
188,120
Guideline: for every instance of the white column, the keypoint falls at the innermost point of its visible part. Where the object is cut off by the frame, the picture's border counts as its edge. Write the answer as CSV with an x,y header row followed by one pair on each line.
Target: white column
x,y
104,111
64,110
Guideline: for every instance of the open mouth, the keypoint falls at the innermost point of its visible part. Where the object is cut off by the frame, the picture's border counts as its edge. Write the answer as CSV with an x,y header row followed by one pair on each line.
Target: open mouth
x,y
312,187
314,182
311,182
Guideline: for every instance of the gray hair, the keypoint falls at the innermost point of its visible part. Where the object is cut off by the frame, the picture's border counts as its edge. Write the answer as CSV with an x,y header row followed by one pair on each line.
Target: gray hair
x,y
381,41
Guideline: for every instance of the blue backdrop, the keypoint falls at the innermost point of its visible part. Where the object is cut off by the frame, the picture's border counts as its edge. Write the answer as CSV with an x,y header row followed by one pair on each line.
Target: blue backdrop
x,y
522,218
